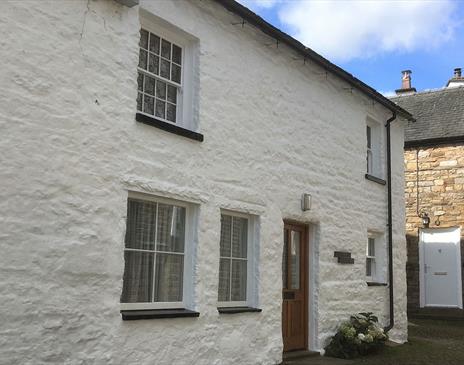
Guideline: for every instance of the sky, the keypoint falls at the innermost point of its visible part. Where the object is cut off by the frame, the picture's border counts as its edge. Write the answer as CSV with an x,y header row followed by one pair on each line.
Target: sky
x,y
376,39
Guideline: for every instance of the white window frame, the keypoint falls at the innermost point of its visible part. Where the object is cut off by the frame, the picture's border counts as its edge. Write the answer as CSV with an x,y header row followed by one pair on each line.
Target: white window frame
x,y
372,259
378,275
187,95
188,270
374,166
252,251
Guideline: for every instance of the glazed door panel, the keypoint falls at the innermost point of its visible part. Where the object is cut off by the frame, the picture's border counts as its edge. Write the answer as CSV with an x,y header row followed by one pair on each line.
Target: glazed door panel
x,y
294,284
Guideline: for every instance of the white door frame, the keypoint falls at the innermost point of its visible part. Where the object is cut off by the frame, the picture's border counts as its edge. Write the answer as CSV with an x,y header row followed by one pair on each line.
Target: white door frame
x,y
422,266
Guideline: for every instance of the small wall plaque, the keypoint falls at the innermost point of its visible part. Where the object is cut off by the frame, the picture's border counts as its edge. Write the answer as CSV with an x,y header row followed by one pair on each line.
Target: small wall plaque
x,y
344,257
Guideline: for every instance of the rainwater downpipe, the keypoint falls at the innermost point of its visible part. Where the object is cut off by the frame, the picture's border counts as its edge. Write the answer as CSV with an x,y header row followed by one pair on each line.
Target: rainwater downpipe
x,y
389,225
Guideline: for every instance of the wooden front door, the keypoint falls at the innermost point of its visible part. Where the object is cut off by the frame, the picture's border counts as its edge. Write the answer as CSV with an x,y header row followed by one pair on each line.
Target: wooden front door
x,y
294,283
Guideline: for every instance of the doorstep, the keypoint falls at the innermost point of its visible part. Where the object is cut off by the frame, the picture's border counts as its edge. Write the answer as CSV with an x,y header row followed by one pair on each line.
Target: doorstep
x,y
311,358
436,313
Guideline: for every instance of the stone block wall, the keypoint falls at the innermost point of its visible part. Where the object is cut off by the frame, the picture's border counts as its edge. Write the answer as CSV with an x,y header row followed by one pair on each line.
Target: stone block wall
x,y
434,184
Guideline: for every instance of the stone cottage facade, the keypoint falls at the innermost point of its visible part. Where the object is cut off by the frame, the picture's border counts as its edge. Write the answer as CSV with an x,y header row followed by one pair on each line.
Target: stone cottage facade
x,y
434,173
185,184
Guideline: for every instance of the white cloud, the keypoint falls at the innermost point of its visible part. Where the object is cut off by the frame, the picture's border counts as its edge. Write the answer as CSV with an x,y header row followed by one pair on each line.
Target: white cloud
x,y
258,4
388,93
344,30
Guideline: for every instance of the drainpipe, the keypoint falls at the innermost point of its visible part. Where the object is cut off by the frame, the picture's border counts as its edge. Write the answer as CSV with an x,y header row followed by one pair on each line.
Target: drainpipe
x,y
389,224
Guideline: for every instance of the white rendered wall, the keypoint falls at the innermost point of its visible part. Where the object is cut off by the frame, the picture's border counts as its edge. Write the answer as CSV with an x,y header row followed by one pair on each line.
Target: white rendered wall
x,y
71,149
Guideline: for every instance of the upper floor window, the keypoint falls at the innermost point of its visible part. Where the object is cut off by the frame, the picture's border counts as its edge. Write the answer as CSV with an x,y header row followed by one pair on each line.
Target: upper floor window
x,y
159,77
369,150
236,263
167,75
156,245
373,149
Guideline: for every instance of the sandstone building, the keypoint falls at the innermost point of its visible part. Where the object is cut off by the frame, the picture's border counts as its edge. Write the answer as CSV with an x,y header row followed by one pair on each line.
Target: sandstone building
x,y
434,193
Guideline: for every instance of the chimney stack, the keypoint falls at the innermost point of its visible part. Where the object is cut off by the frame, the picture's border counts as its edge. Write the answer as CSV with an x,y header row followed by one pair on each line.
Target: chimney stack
x,y
406,87
457,79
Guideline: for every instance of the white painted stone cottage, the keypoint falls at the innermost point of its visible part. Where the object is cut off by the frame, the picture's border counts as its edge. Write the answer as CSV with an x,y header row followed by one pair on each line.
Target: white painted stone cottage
x,y
154,163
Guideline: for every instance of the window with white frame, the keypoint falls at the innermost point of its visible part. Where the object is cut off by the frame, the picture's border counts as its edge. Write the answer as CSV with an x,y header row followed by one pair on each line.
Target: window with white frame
x,y
159,77
369,149
167,72
373,148
156,245
376,258
236,259
370,259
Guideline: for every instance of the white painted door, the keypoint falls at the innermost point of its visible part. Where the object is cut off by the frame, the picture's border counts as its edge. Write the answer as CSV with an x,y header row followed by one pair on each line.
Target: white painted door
x,y
440,267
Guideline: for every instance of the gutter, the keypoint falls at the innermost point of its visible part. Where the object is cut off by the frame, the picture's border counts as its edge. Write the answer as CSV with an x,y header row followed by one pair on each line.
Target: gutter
x,y
308,54
389,224
430,142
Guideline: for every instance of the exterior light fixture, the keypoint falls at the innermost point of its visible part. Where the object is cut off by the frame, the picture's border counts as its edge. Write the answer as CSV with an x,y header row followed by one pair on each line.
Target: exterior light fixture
x,y
305,202
425,220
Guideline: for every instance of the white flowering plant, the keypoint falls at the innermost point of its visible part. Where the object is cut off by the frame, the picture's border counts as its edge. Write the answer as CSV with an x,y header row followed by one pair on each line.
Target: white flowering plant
x,y
359,336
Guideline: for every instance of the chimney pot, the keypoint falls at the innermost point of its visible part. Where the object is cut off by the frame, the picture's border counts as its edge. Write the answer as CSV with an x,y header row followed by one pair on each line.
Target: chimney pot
x,y
457,72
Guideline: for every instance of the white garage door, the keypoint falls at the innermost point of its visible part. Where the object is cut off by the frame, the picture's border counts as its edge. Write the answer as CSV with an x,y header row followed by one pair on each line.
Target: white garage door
x,y
440,267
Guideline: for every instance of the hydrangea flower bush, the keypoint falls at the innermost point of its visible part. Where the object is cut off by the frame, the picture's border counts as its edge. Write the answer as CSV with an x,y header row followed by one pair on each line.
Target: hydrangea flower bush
x,y
359,336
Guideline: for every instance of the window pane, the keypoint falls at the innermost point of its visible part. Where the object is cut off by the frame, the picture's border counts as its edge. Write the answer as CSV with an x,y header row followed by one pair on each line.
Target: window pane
x,y
160,106
154,43
224,280
371,247
176,54
171,228
140,81
240,237
172,94
139,101
153,64
160,90
368,267
143,38
169,277
175,76
138,277
165,68
295,260
171,112
148,104
143,59
149,85
369,134
369,161
140,232
166,49
226,223
239,280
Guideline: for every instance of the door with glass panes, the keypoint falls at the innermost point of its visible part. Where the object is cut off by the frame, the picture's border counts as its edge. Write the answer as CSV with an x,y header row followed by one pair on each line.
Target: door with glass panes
x,y
294,284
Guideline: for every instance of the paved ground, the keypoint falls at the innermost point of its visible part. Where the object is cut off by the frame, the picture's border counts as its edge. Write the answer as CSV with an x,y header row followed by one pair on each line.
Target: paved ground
x,y
431,342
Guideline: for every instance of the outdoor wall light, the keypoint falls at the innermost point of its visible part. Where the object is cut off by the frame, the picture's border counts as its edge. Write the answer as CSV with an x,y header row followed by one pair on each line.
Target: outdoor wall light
x,y
305,202
425,220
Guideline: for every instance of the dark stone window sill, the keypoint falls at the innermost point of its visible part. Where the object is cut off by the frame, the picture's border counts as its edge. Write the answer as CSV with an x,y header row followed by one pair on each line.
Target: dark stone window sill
x,y
375,179
233,310
168,127
373,283
132,315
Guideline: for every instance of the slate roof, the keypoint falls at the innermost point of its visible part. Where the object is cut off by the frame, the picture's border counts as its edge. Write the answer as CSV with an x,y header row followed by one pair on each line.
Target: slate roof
x,y
439,114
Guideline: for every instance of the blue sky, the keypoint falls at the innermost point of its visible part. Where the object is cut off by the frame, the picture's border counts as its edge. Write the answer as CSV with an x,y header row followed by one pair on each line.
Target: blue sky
x,y
374,39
